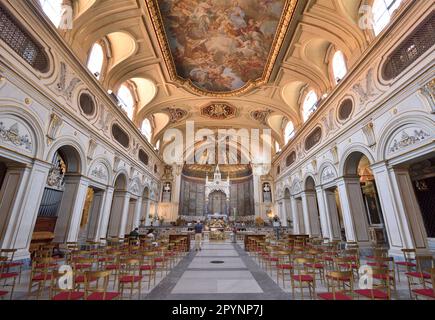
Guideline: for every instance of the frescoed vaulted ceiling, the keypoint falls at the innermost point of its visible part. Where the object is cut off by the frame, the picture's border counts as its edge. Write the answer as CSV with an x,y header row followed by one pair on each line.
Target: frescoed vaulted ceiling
x,y
221,46
220,63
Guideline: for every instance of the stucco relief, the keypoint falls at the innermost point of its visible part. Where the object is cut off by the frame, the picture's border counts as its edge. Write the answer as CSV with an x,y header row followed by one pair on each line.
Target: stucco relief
x,y
328,174
407,137
100,172
16,134
67,82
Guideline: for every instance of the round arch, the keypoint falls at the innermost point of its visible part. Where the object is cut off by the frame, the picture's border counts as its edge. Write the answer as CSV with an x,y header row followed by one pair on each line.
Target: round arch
x,y
355,149
74,153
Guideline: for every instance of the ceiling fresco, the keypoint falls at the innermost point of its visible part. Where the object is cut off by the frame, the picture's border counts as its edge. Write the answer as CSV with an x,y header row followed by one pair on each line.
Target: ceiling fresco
x,y
219,47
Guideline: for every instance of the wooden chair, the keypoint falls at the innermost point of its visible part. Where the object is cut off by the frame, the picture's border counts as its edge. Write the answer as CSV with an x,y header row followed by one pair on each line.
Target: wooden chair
x,y
426,292
42,272
148,267
339,284
408,263
69,292
96,285
283,266
9,263
129,276
6,276
303,276
380,290
421,277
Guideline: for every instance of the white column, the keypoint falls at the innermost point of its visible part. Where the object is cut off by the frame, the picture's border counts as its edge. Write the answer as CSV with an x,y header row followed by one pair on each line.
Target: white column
x,y
105,213
402,216
257,196
147,212
287,211
20,198
137,212
324,214
71,209
118,214
354,212
328,213
94,213
311,216
132,205
298,218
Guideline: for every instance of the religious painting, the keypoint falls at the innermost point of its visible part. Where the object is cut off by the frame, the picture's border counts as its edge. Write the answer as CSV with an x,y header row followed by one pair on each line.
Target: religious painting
x,y
221,46
267,192
166,192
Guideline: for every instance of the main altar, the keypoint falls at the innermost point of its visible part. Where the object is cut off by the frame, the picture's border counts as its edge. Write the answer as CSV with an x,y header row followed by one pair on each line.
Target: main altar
x,y
215,190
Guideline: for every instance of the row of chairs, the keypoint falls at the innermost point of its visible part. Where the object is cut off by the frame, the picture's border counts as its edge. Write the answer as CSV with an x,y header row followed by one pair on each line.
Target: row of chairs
x,y
305,262
71,271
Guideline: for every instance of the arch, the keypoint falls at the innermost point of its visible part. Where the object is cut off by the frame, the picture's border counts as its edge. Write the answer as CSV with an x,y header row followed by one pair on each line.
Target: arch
x,y
31,122
287,193
418,127
146,192
74,153
310,182
120,180
355,149
122,45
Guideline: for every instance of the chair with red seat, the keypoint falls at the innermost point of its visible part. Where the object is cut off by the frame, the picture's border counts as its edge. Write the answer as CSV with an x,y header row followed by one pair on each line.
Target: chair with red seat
x,y
10,263
148,267
63,287
408,263
41,273
426,292
339,284
96,285
421,277
6,276
130,276
80,266
303,276
380,287
283,266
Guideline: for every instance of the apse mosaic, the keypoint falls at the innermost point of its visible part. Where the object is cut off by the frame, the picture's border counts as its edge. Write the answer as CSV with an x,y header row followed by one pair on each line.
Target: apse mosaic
x,y
221,46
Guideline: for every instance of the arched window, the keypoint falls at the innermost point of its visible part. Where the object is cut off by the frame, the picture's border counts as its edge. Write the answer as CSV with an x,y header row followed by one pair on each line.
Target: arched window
x,y
289,132
310,104
277,147
146,129
126,99
339,67
53,10
96,60
158,145
382,12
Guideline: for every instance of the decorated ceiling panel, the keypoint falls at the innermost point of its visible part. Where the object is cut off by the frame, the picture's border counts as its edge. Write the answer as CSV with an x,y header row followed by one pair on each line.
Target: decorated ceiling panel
x,y
221,47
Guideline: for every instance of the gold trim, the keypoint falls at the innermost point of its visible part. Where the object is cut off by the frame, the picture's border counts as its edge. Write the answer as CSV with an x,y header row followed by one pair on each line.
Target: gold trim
x,y
157,21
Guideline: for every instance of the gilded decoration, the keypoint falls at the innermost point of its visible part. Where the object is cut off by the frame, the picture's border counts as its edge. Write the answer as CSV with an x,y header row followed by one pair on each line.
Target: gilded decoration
x,y
225,47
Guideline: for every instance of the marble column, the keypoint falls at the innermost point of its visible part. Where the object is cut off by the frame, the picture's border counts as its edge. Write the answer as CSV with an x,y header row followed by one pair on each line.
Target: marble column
x,y
311,215
94,215
118,214
328,213
401,212
354,211
71,208
298,217
105,213
137,212
20,198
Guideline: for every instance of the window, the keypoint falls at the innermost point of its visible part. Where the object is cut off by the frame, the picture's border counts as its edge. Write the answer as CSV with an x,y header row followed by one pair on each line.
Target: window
x,y
143,157
310,104
127,101
277,147
345,109
146,129
53,10
339,67
87,104
158,145
410,49
96,60
289,132
382,12
17,38
120,135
